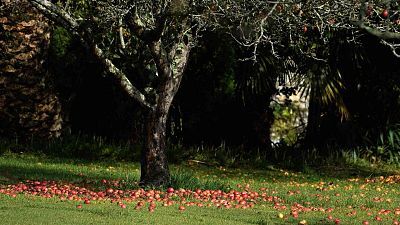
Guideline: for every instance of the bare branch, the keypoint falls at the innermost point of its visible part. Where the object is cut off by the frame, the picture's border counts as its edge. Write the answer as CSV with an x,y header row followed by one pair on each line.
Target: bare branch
x,y
122,79
392,47
385,35
137,27
56,14
59,15
121,34
160,57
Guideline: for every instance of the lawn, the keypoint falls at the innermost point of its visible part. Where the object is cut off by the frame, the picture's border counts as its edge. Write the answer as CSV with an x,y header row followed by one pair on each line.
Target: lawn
x,y
40,190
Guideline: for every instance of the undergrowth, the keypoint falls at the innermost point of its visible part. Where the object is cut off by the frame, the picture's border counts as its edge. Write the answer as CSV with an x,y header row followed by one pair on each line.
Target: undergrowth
x,y
96,148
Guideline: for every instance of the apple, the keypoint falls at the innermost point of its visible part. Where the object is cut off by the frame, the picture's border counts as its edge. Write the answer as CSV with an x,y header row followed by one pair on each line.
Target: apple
x,y
140,204
79,206
385,13
170,190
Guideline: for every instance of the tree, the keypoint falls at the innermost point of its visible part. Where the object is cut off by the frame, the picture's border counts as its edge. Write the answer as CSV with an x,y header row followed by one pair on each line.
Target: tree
x,y
168,29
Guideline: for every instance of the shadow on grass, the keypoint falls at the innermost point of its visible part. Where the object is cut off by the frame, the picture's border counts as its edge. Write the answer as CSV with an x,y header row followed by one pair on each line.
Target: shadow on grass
x,y
16,168
19,168
351,171
20,173
338,171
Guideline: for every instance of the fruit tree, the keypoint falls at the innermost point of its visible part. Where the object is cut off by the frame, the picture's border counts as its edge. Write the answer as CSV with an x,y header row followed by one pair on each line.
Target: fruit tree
x,y
161,34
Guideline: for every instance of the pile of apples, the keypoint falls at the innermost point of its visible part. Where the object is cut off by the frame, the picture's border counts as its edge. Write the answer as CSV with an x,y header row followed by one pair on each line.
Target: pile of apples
x,y
181,198
141,197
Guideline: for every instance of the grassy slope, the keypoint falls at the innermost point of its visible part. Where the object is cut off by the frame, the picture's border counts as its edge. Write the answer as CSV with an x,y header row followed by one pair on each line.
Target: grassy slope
x,y
328,189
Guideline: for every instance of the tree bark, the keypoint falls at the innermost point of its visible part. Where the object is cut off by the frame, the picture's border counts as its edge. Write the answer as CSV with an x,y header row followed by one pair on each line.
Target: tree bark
x,y
154,164
170,67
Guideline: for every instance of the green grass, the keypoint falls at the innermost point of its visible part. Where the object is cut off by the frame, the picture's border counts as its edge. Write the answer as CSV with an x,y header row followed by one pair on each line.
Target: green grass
x,y
22,210
344,189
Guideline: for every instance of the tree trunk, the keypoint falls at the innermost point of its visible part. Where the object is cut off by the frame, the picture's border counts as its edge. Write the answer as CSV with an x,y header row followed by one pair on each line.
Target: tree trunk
x,y
154,165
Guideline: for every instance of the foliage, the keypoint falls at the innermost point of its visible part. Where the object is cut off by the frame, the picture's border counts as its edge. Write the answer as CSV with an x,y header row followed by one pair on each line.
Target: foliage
x,y
286,124
60,42
75,146
388,147
370,95
222,99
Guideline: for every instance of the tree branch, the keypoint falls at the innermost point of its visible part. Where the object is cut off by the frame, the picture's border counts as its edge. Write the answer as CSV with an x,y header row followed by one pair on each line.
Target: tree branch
x,y
385,35
160,57
121,34
392,47
123,81
58,15
137,27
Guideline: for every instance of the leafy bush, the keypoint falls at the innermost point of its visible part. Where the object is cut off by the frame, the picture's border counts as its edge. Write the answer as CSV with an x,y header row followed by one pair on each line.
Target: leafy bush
x,y
389,145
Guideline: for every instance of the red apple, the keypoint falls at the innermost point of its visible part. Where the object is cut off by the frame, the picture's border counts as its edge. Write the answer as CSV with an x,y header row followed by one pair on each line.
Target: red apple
x,y
385,13
170,190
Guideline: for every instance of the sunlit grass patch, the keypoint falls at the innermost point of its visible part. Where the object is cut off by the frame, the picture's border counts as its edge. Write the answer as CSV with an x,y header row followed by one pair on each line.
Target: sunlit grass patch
x,y
43,190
